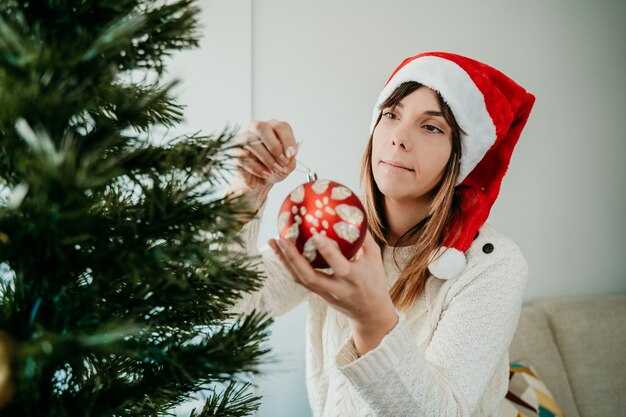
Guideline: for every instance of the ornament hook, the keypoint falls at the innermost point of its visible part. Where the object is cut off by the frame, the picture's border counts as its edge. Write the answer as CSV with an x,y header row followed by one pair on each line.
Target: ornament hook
x,y
310,174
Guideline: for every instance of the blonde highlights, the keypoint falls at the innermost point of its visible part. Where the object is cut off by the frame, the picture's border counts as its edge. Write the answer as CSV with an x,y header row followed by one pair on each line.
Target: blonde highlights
x,y
430,233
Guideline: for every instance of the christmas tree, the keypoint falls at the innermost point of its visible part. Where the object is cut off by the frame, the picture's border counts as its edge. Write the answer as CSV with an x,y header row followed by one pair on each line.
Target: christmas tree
x,y
118,259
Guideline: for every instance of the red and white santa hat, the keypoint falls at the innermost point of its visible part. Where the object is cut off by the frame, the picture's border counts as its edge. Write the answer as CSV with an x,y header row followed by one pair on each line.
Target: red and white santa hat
x,y
492,109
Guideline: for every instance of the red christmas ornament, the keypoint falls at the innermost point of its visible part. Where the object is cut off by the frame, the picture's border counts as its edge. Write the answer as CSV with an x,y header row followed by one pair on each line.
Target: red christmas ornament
x,y
326,207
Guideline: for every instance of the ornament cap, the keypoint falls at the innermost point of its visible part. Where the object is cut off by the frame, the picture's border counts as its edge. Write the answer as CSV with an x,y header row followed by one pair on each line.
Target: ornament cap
x,y
311,176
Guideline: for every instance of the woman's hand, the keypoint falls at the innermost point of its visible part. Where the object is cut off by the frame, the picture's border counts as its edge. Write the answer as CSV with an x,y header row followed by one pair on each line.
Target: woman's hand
x,y
265,157
357,288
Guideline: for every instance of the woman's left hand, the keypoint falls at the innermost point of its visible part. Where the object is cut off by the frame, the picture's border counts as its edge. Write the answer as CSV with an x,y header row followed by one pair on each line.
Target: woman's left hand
x,y
357,288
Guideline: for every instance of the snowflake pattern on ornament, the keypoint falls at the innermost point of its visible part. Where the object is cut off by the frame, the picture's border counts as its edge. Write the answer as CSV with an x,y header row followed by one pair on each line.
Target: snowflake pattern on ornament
x,y
340,193
297,195
346,231
320,186
309,250
283,219
350,214
292,232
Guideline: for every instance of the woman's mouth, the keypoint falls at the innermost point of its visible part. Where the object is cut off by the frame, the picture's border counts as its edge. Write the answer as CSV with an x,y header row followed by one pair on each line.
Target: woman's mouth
x,y
395,167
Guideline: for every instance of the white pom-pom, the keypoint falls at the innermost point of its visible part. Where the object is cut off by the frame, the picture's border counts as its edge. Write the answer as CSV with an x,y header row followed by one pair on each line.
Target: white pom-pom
x,y
447,266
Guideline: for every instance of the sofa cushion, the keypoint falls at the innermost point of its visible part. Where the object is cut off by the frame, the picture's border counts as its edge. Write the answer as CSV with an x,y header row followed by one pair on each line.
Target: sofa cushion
x,y
527,395
590,334
534,344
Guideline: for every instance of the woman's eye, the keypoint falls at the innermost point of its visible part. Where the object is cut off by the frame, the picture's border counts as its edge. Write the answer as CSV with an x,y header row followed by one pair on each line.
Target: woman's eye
x,y
433,129
389,115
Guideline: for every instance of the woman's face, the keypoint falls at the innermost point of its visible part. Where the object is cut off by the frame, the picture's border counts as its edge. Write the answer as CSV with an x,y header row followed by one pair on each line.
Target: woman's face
x,y
411,147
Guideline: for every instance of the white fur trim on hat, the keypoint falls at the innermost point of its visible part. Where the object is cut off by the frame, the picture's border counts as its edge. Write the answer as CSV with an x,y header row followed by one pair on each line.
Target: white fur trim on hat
x,y
460,93
447,263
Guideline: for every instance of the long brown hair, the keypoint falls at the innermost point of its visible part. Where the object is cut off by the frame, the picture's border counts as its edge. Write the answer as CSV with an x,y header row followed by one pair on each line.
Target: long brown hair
x,y
428,234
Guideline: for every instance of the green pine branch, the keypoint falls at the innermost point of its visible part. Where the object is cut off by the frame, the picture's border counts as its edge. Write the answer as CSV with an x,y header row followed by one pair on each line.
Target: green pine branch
x,y
234,401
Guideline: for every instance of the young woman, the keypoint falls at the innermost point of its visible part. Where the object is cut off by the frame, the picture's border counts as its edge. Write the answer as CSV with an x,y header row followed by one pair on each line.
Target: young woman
x,y
419,322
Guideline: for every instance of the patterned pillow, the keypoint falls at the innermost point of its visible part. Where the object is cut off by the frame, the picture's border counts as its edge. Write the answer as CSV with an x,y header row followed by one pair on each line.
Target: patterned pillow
x,y
528,396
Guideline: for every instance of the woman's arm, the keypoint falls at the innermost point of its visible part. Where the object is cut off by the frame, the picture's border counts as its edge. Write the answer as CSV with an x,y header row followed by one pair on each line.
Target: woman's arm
x,y
279,293
267,156
449,379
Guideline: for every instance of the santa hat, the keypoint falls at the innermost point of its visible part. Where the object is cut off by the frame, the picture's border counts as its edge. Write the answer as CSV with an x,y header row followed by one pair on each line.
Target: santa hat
x,y
492,109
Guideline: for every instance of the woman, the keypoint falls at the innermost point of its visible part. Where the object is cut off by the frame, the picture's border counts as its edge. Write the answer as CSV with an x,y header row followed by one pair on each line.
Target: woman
x,y
419,323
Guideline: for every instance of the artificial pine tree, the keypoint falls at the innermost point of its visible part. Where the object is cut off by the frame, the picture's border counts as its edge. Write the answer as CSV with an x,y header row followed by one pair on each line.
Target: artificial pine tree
x,y
118,258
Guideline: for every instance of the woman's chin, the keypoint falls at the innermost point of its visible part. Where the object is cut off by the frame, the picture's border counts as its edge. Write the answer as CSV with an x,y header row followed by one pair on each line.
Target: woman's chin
x,y
394,191
400,192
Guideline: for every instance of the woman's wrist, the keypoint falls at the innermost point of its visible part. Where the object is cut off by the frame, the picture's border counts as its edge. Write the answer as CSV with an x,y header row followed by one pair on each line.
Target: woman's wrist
x,y
255,197
259,196
367,334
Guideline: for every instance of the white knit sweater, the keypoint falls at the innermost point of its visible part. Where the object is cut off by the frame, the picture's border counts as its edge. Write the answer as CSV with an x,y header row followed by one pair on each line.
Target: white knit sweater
x,y
447,356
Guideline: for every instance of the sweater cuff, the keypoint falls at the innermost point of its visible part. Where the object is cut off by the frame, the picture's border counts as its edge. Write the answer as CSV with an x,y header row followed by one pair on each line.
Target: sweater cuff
x,y
378,361
347,354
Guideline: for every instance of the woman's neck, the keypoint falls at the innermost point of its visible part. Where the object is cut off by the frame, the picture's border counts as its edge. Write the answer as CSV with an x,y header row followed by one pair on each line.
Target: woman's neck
x,y
402,215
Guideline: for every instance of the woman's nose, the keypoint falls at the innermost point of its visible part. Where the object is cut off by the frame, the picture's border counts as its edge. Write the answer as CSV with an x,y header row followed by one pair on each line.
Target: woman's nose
x,y
397,141
401,135
400,138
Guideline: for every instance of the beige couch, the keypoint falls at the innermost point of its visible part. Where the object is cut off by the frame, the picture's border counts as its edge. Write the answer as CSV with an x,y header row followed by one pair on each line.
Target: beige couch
x,y
578,348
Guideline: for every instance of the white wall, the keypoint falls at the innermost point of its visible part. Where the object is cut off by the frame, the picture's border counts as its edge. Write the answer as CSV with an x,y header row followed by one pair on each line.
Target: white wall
x,y
320,66
215,80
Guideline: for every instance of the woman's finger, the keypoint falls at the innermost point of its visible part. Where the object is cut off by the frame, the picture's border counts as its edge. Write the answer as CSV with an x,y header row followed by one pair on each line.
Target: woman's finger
x,y
285,135
305,272
250,164
269,147
333,256
250,149
250,145
262,154
311,287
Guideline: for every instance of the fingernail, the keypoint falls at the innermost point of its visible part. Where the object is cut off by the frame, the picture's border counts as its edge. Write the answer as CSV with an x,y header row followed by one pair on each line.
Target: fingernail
x,y
291,151
278,168
283,161
281,243
318,240
267,174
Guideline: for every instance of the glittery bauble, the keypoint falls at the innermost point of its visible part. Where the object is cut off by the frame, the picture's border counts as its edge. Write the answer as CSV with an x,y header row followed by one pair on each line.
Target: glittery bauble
x,y
326,207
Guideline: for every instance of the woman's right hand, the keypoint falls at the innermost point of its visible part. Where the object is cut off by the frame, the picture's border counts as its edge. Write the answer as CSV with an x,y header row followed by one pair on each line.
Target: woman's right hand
x,y
266,157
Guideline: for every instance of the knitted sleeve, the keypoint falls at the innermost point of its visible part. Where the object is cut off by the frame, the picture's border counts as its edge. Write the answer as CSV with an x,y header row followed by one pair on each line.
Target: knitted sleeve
x,y
450,377
279,293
